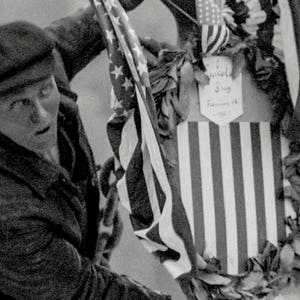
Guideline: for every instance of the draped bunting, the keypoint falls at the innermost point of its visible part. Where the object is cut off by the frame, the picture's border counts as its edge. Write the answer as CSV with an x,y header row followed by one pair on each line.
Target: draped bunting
x,y
145,187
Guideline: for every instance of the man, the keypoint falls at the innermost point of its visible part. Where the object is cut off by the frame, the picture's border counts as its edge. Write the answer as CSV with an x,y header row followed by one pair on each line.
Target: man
x,y
49,198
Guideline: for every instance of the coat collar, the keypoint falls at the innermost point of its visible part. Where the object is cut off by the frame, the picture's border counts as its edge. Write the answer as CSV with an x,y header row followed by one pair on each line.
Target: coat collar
x,y
27,166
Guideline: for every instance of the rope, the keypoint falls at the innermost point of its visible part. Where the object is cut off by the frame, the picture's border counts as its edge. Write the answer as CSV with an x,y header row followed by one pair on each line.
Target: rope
x,y
182,11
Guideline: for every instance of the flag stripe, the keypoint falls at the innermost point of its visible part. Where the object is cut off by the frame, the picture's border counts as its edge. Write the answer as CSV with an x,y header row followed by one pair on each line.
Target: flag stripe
x,y
291,53
114,131
248,175
153,235
268,181
122,189
128,142
259,186
185,172
229,200
219,39
204,36
161,197
207,190
168,232
213,40
295,11
290,15
288,208
278,181
196,187
150,185
239,194
221,238
137,191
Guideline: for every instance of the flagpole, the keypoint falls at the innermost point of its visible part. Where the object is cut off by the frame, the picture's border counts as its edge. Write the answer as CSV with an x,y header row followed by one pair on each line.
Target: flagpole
x,y
182,11
93,5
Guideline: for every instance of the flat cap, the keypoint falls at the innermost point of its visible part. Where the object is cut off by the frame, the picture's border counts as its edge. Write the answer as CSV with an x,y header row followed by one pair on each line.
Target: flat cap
x,y
25,54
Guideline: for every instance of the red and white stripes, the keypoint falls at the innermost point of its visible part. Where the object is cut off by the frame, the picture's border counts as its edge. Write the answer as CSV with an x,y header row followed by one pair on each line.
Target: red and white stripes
x,y
231,180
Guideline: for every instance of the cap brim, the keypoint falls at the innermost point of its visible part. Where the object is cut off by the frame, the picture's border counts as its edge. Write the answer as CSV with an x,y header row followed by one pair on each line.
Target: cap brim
x,y
36,72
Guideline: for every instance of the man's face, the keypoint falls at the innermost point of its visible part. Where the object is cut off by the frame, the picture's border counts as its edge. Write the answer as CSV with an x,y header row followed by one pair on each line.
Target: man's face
x,y
28,116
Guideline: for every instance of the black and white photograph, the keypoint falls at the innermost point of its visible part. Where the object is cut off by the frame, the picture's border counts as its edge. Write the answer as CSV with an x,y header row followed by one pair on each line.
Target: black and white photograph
x,y
150,149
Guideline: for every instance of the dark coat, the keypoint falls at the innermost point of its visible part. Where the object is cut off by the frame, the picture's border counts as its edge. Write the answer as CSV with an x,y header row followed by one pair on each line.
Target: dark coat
x,y
49,214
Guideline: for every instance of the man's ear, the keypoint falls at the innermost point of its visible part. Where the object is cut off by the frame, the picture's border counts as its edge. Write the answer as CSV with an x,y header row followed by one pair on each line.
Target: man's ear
x,y
130,4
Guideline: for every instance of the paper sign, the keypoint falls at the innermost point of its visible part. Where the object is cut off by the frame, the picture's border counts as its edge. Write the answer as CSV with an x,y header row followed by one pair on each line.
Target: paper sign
x,y
221,100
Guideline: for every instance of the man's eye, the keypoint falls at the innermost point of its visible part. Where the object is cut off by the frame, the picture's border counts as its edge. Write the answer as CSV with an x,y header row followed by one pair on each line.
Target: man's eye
x,y
18,104
46,89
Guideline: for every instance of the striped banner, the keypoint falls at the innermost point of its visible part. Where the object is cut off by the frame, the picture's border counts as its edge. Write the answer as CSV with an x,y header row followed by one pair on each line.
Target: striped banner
x,y
231,183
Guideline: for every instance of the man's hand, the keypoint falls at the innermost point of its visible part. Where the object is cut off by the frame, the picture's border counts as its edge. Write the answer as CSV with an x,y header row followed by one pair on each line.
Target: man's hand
x,y
130,4
127,4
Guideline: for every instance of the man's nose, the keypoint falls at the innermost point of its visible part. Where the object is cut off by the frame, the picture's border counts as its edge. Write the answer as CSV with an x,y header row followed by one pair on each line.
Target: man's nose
x,y
39,112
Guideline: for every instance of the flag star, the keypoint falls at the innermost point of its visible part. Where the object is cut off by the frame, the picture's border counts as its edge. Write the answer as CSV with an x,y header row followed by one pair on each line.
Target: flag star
x,y
110,4
110,35
122,36
117,104
127,84
137,50
125,15
119,111
119,48
117,20
128,54
117,71
142,68
132,32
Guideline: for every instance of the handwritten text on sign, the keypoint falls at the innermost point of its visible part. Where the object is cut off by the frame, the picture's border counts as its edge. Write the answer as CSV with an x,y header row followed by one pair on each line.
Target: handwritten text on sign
x,y
221,100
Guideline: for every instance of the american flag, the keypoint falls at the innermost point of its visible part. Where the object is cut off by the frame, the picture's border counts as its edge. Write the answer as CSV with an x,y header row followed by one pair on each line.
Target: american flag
x,y
232,183
145,189
214,32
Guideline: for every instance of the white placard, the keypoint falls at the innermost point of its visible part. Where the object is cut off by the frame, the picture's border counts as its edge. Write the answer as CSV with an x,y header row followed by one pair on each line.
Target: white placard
x,y
221,100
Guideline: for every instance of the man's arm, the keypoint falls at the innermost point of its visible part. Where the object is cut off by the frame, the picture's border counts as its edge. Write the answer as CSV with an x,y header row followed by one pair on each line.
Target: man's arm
x,y
36,263
78,37
130,4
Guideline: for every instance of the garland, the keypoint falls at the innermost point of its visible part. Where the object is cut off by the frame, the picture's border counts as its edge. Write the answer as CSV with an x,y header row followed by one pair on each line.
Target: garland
x,y
254,44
